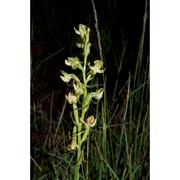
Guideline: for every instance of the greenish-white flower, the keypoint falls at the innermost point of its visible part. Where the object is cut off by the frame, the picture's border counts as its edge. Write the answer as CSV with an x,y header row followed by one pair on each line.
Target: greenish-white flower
x,y
78,87
98,64
74,62
99,93
71,98
66,77
83,32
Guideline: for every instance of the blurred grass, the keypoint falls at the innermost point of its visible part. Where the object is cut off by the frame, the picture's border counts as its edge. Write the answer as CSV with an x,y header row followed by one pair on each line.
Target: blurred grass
x,y
118,146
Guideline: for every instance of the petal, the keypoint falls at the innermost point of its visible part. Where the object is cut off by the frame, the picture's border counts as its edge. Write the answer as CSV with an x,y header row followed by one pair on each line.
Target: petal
x,y
98,63
66,77
98,94
67,63
76,31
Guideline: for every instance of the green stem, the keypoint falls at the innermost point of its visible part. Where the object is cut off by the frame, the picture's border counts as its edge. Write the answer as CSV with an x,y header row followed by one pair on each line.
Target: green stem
x,y
76,116
79,142
77,166
85,83
81,139
84,77
76,174
75,111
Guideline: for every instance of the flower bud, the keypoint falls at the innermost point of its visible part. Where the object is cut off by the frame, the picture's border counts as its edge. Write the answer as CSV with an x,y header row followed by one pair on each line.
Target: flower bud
x,y
87,49
91,121
79,45
83,32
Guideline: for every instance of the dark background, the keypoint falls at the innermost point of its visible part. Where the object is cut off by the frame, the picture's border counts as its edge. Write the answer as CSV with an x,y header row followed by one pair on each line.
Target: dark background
x,y
52,30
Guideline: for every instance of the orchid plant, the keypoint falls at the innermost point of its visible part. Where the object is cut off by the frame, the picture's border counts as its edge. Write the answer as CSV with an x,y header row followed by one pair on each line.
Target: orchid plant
x,y
81,97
